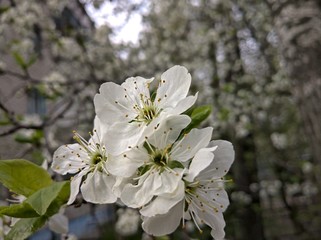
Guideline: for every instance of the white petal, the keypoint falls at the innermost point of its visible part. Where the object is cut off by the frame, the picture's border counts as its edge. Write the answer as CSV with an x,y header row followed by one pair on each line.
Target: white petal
x,y
138,195
202,160
74,186
174,86
217,223
98,132
168,131
213,219
160,225
69,159
221,198
223,159
183,105
126,164
208,207
135,196
191,143
112,106
58,223
135,86
119,185
169,181
163,203
123,137
97,188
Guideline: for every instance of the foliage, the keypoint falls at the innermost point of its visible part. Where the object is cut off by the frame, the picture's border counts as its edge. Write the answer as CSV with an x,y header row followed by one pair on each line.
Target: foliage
x,y
44,198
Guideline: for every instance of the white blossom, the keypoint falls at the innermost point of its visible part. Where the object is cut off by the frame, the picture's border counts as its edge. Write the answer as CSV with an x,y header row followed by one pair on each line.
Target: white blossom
x,y
204,196
128,221
89,161
132,112
160,161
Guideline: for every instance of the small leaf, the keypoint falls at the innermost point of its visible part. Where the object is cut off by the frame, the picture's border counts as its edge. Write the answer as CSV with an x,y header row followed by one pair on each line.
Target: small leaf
x,y
198,115
19,60
25,227
23,177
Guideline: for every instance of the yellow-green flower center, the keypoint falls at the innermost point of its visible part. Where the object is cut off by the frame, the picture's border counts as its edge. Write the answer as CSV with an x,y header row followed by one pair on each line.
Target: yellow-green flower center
x,y
97,158
147,113
160,158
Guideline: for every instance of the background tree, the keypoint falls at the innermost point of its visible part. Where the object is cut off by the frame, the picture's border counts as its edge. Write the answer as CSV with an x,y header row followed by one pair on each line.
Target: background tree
x,y
297,25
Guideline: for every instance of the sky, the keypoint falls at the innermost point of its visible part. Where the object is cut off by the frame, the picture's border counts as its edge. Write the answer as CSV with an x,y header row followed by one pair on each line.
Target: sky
x,y
126,31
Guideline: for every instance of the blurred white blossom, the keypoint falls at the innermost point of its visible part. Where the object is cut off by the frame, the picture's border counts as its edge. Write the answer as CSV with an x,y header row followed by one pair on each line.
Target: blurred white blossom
x,y
279,140
309,189
53,83
128,221
307,168
241,197
31,119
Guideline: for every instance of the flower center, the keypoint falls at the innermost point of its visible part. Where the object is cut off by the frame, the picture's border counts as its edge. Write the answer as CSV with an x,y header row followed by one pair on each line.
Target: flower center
x,y
146,110
160,158
147,113
97,158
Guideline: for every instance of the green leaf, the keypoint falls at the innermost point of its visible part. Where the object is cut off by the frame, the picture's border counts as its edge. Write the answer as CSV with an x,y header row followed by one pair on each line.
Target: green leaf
x,y
19,60
22,210
45,197
25,227
198,115
23,177
46,201
60,200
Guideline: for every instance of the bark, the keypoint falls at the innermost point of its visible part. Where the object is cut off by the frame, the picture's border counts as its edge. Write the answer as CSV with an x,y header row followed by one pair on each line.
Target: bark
x,y
298,24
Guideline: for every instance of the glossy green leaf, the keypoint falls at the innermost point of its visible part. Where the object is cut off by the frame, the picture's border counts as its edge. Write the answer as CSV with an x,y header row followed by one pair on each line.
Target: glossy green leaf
x,y
198,115
23,177
46,201
22,210
41,200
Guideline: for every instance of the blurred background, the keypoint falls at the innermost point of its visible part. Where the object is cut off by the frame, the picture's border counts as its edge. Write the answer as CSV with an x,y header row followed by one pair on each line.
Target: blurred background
x,y
257,62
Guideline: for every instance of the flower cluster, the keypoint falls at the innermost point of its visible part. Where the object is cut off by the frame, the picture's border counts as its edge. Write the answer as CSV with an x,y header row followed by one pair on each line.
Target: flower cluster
x,y
140,153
